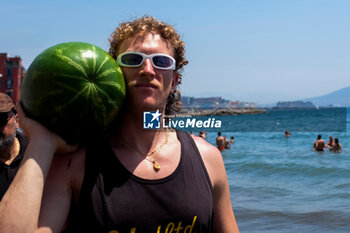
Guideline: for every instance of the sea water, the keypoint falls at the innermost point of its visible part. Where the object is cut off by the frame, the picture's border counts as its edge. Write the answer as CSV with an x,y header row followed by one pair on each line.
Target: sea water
x,y
280,184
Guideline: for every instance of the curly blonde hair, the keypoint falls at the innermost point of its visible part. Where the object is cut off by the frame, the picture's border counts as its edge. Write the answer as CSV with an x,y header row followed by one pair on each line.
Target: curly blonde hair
x,y
146,24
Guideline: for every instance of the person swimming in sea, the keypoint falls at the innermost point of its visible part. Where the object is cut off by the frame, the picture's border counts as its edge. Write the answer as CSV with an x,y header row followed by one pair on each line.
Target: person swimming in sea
x,y
227,144
286,134
330,143
220,142
319,144
202,134
337,147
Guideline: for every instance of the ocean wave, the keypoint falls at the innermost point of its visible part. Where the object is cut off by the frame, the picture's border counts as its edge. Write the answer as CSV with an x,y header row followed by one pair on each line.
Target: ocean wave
x,y
254,220
343,186
288,169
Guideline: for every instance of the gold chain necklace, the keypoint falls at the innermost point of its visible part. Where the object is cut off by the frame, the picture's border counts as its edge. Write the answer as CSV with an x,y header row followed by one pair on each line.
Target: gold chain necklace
x,y
149,156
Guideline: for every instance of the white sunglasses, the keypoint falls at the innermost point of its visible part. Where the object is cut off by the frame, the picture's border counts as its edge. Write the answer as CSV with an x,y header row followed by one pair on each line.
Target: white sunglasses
x,y
136,59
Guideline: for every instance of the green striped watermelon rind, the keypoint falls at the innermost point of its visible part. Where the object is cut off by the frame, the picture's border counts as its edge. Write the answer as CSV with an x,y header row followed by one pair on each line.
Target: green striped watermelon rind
x,y
73,89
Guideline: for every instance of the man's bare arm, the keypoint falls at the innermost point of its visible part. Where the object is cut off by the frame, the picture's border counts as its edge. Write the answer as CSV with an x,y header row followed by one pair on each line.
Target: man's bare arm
x,y
20,206
224,219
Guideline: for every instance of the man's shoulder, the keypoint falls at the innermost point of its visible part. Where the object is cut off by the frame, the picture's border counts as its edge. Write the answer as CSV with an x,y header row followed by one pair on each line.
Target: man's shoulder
x,y
207,150
212,159
70,166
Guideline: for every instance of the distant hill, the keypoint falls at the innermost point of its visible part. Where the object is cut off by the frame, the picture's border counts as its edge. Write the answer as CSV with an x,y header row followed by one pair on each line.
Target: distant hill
x,y
339,98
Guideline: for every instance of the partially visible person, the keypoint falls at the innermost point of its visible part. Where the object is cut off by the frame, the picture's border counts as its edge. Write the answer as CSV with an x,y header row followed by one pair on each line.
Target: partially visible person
x,y
227,144
287,134
330,143
12,143
232,139
319,144
132,179
191,133
202,134
337,147
220,142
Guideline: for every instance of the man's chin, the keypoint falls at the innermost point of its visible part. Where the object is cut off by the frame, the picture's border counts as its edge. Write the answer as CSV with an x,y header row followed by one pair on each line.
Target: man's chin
x,y
148,103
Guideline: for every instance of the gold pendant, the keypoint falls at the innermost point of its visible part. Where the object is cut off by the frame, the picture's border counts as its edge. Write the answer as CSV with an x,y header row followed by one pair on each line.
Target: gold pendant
x,y
156,166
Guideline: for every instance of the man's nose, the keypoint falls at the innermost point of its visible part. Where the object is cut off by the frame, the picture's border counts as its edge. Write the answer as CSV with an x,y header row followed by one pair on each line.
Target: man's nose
x,y
147,67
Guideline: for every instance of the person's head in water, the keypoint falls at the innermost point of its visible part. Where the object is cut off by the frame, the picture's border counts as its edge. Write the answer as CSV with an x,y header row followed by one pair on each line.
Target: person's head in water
x,y
336,141
319,137
143,27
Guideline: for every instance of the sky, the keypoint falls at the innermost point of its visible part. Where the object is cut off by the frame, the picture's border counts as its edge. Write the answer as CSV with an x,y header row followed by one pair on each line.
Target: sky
x,y
248,50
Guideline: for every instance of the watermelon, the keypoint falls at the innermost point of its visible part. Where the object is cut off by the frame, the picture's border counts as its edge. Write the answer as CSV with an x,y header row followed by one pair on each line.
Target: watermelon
x,y
75,89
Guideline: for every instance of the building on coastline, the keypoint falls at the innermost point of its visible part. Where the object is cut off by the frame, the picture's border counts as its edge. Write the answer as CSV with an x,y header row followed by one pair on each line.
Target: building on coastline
x,y
214,102
11,75
207,102
294,104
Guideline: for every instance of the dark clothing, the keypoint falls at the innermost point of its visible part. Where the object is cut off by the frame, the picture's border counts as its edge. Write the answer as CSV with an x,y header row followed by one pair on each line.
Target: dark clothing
x,y
8,172
113,199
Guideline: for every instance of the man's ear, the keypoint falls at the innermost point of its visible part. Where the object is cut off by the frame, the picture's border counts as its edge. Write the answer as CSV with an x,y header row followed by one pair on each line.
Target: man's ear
x,y
175,80
16,118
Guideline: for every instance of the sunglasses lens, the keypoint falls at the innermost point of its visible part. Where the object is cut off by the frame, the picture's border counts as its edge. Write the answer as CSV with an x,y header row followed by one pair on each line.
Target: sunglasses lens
x,y
162,61
3,118
131,59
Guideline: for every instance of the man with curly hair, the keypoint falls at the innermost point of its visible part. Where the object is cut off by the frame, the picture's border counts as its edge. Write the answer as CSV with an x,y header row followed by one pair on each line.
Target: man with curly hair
x,y
134,180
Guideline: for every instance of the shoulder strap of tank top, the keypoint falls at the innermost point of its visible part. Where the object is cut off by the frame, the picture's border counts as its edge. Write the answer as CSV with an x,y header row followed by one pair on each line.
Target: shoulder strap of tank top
x,y
191,149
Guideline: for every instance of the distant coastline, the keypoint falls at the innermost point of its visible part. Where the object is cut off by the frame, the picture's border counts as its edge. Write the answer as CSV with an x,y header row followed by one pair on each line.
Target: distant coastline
x,y
338,98
221,111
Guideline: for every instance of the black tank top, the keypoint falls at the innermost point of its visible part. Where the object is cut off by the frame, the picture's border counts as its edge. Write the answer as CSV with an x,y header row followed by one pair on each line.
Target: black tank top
x,y
113,200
